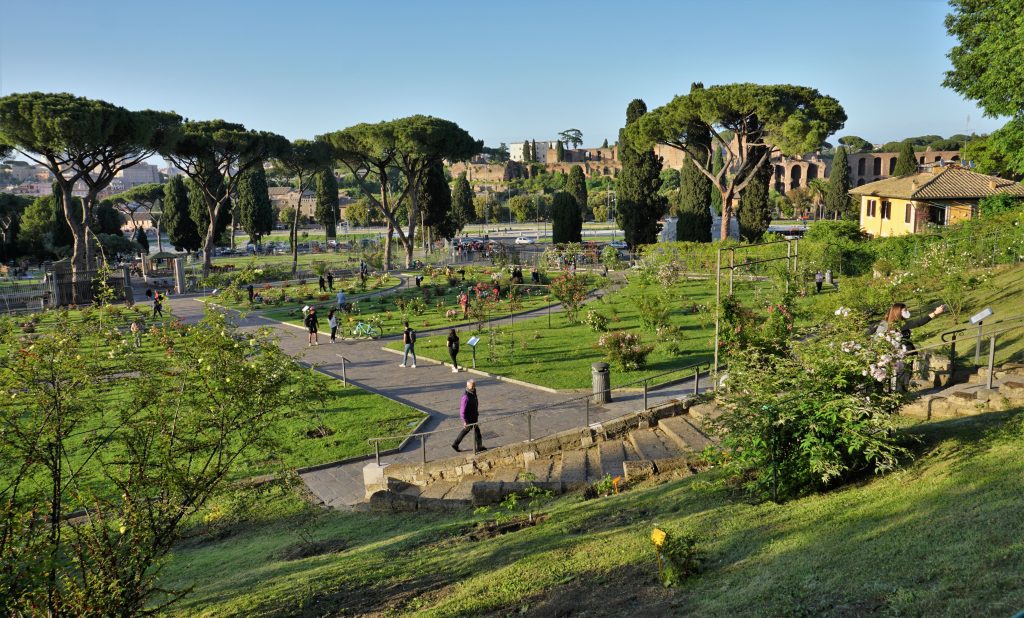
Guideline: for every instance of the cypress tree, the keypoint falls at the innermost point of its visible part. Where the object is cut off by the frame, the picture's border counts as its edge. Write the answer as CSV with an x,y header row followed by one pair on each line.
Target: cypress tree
x,y
566,223
695,220
717,163
533,151
755,211
177,222
604,144
576,186
197,209
436,201
906,162
559,151
639,205
142,240
256,213
837,196
326,212
61,235
463,211
107,220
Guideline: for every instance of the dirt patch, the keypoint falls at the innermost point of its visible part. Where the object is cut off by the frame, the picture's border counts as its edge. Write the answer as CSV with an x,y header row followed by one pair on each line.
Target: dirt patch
x,y
627,591
320,432
298,551
491,529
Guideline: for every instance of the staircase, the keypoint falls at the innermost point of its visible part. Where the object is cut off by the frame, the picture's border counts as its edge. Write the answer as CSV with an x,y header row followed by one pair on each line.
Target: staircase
x,y
974,396
637,446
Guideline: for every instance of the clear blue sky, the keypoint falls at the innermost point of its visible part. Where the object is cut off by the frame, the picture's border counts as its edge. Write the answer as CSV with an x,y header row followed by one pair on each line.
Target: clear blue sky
x,y
503,71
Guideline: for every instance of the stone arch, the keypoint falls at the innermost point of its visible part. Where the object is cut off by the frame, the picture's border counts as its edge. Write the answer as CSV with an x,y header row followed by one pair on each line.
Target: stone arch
x,y
922,161
860,166
780,173
795,173
892,165
955,158
812,172
876,166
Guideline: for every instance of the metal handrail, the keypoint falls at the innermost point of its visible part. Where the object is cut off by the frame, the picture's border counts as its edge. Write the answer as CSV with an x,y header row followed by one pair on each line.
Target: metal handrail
x,y
989,334
696,367
957,331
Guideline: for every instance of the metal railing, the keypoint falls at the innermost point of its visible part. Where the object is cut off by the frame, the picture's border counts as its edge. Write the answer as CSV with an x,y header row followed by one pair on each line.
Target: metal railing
x,y
1000,328
582,403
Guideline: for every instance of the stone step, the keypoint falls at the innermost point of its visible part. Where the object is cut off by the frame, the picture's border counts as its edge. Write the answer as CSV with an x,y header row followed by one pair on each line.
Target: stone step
x,y
681,431
462,491
650,446
611,454
546,470
574,469
704,412
595,472
507,475
438,489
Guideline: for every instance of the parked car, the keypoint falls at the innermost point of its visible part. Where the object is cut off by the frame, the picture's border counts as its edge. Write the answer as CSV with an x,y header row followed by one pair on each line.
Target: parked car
x,y
523,240
618,244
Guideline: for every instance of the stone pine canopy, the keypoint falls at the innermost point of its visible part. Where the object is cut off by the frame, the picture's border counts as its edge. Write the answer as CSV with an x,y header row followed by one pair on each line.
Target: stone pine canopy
x,y
951,182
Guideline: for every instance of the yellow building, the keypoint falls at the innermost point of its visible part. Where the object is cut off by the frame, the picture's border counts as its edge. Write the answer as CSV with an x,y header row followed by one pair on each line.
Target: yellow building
x,y
941,195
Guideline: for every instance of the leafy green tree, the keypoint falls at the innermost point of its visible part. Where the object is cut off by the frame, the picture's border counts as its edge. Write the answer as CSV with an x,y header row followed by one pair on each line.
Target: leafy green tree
x,y
255,210
142,240
62,235
559,151
360,213
197,205
639,205
854,143
669,181
999,203
946,144
576,186
436,204
906,162
566,222
326,212
987,61
182,231
889,147
12,207
406,146
108,220
214,149
717,165
837,196
791,119
79,139
998,154
302,160
38,224
572,136
522,207
755,212
695,219
462,202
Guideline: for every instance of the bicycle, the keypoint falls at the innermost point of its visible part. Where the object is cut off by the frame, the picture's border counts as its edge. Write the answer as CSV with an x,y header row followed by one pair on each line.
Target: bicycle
x,y
364,329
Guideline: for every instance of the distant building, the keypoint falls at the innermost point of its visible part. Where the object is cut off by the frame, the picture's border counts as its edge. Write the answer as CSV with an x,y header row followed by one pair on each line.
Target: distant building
x,y
287,197
136,175
941,195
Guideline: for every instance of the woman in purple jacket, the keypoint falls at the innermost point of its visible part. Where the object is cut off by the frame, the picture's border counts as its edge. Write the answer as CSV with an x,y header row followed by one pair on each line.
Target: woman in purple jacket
x,y
469,411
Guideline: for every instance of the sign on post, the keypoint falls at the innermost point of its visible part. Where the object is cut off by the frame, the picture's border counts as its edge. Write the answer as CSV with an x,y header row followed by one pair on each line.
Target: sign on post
x,y
472,343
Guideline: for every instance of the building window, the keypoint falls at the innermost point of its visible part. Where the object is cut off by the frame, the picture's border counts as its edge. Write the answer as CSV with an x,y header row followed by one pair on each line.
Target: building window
x,y
871,208
906,217
886,209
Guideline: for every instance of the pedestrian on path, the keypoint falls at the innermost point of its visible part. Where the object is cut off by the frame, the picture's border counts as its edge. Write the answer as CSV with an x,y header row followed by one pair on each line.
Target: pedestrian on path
x,y
409,339
819,278
332,321
330,281
252,292
312,324
453,349
323,284
464,303
469,411
137,333
158,304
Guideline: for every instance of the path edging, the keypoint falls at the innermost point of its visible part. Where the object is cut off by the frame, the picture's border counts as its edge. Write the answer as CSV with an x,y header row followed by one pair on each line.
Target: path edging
x,y
479,372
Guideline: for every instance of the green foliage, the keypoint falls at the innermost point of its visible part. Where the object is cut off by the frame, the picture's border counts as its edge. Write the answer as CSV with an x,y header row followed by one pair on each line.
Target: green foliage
x,y
576,186
837,245
681,558
802,416
256,210
987,155
571,291
906,162
572,136
462,201
597,322
108,220
654,311
559,151
566,221
986,62
326,212
999,203
181,229
436,202
695,219
855,143
639,205
522,207
625,349
755,210
837,197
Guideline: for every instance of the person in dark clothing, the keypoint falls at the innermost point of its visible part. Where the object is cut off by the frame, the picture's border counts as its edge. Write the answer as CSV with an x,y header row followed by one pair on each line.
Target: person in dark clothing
x,y
900,319
469,411
251,291
453,349
409,339
323,284
819,278
312,324
534,276
330,282
158,304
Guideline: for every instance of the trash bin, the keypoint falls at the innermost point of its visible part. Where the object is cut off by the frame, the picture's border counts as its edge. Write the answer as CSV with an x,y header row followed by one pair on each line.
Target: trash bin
x,y
601,380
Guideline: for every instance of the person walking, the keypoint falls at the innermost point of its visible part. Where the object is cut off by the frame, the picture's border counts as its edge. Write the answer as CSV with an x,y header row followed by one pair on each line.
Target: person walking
x,y
899,318
819,278
330,281
469,411
341,300
323,284
332,321
252,292
409,339
312,324
453,349
137,333
158,304
464,303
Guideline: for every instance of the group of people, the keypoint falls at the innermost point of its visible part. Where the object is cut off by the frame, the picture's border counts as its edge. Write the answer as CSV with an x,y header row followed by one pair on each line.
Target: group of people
x,y
327,283
158,301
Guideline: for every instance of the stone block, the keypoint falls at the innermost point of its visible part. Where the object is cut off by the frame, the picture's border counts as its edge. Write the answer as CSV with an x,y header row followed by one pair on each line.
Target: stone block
x,y
704,411
986,394
528,457
637,470
487,492
1014,391
391,502
374,478
675,463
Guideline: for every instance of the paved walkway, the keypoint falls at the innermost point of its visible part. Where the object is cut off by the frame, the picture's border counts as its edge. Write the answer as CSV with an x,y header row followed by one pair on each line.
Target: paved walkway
x,y
435,390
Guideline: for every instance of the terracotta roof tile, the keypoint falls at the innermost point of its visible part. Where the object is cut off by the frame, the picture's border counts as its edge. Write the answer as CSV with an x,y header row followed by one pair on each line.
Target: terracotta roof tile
x,y
950,182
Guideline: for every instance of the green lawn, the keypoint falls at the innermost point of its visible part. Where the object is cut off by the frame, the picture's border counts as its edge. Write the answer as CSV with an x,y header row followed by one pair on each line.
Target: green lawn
x,y
942,537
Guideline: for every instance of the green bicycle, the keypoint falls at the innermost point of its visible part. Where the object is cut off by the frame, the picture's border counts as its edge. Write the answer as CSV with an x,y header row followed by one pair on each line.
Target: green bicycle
x,y
366,330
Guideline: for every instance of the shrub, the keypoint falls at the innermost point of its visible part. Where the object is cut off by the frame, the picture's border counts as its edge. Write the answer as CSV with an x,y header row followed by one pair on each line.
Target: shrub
x,y
654,311
571,291
625,349
596,321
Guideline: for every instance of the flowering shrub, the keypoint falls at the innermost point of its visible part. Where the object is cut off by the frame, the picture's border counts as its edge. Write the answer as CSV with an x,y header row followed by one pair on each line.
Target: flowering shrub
x,y
654,311
571,291
802,415
625,349
597,322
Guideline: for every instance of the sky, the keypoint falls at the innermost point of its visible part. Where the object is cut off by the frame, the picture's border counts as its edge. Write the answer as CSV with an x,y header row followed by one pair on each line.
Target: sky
x,y
504,71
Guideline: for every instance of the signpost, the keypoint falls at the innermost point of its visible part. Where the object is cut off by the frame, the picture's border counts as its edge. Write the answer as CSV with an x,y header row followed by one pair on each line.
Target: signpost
x,y
472,344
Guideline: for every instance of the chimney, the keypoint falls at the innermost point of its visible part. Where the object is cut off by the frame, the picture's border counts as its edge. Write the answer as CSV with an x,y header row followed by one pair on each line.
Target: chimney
x,y
992,185
913,184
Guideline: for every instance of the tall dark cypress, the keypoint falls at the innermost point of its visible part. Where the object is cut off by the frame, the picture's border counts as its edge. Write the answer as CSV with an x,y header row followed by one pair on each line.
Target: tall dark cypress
x,y
576,186
326,211
755,212
906,161
566,222
694,187
639,205
177,221
256,213
837,196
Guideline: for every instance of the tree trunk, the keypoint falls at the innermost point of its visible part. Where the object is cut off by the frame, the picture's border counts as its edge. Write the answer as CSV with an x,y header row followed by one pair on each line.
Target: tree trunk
x,y
387,248
208,246
79,243
159,240
726,214
232,242
295,237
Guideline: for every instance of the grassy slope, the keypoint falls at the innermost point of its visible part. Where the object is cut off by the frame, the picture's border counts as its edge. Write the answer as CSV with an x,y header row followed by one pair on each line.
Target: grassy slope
x,y
940,538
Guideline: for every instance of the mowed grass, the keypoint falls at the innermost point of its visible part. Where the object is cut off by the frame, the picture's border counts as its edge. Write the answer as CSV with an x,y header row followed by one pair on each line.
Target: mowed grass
x,y
942,537
560,357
